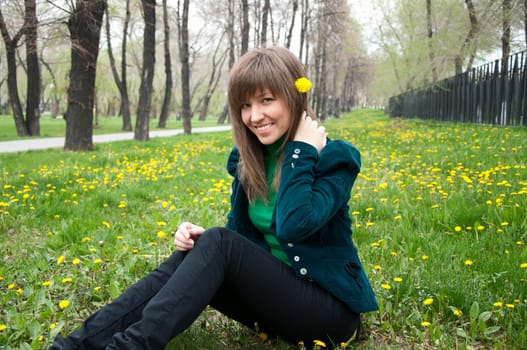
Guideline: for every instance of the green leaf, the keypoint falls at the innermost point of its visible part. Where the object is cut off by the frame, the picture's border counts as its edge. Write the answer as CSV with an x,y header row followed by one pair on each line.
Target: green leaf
x,y
485,316
474,311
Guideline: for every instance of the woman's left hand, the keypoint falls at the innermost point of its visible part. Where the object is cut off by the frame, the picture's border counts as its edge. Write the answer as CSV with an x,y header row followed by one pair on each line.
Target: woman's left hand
x,y
309,131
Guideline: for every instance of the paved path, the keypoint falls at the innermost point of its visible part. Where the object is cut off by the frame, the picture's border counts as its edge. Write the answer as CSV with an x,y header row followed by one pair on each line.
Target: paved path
x,y
58,142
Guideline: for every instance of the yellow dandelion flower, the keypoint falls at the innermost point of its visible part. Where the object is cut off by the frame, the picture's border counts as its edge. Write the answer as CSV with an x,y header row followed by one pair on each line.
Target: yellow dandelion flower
x,y
505,223
393,253
469,262
397,217
509,306
161,223
86,239
398,279
19,291
11,286
263,336
319,343
46,284
458,312
523,265
386,286
60,259
52,326
97,261
106,224
2,327
64,304
66,280
97,288
457,229
377,267
424,257
498,304
303,85
480,228
426,324
428,301
76,261
161,234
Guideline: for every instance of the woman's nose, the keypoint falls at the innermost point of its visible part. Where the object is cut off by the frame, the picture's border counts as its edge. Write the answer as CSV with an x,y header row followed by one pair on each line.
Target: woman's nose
x,y
256,113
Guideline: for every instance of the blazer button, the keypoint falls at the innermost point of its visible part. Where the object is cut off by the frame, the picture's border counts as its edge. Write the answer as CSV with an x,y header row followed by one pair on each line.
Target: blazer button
x,y
303,271
297,151
296,258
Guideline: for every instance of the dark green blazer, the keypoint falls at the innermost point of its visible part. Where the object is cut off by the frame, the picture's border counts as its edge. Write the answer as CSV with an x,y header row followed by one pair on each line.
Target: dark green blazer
x,y
311,218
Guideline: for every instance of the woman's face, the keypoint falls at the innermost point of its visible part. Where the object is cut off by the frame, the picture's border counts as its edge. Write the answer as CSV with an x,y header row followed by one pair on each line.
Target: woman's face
x,y
267,116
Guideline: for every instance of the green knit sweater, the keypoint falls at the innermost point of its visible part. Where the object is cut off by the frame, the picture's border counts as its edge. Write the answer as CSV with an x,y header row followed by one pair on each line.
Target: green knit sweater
x,y
261,213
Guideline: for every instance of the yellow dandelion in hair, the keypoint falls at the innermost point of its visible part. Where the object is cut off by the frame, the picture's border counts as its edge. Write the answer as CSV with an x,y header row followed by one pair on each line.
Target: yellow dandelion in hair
x,y
428,301
64,304
303,85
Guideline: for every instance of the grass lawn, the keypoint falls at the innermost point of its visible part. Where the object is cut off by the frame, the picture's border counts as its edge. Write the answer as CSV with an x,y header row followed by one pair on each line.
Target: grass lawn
x,y
50,127
439,217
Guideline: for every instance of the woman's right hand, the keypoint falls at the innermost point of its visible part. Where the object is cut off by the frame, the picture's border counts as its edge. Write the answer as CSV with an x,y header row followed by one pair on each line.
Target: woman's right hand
x,y
309,131
186,235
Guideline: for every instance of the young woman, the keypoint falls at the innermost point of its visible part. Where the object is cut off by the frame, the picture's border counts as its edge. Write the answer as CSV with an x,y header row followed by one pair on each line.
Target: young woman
x,y
285,263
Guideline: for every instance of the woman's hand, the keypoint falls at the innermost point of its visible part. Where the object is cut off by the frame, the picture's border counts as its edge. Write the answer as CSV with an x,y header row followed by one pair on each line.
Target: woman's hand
x,y
310,132
186,235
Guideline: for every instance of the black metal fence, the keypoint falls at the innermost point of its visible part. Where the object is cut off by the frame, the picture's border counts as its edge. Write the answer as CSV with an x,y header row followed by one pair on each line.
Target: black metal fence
x,y
494,93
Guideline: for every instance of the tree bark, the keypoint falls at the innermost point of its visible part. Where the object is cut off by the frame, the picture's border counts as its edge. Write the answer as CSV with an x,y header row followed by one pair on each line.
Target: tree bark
x,y
163,117
12,83
217,64
84,24
185,69
33,69
147,75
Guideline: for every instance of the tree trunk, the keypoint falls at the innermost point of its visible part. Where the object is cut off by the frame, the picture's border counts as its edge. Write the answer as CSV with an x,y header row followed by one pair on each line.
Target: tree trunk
x,y
185,69
265,18
291,27
506,35
163,117
12,83
147,76
246,26
217,64
33,69
230,34
474,28
430,34
85,30
123,89
125,100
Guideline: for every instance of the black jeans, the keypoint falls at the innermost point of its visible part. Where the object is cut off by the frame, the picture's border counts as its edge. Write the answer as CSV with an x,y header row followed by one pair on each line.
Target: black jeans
x,y
229,273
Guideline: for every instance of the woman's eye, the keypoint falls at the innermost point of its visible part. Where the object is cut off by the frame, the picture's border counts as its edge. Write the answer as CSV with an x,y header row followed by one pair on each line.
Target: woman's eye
x,y
268,99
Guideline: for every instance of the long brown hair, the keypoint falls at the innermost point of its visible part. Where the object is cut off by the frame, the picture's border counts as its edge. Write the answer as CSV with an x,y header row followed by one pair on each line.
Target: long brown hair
x,y
275,69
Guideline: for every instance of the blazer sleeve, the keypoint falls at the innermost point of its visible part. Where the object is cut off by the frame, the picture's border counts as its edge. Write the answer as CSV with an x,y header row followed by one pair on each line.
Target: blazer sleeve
x,y
313,187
